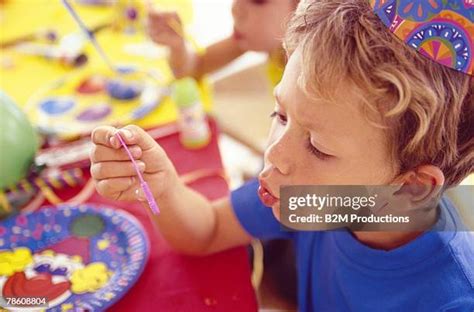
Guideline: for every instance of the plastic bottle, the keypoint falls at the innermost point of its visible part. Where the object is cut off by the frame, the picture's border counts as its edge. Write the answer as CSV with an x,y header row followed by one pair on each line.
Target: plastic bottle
x,y
194,129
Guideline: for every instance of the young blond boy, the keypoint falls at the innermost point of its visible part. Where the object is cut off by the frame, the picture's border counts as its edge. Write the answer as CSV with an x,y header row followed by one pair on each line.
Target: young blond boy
x,y
356,106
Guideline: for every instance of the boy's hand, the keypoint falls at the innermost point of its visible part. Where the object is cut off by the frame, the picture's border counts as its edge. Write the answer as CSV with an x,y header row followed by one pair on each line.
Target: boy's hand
x,y
165,28
113,171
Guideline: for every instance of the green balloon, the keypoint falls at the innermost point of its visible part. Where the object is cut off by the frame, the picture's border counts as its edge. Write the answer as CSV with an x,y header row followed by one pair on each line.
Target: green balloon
x,y
18,142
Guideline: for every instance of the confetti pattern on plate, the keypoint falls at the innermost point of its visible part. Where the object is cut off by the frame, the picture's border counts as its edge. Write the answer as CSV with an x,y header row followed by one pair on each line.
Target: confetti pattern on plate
x,y
79,257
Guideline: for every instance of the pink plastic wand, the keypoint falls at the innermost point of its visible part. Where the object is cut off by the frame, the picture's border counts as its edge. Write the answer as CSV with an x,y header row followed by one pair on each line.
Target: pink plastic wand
x,y
146,189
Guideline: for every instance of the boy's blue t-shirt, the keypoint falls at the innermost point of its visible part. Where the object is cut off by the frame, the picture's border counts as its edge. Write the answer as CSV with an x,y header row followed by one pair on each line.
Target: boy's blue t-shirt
x,y
434,272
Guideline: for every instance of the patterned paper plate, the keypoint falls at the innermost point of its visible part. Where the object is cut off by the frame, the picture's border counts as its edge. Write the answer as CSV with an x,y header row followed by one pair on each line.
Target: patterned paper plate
x,y
78,257
78,102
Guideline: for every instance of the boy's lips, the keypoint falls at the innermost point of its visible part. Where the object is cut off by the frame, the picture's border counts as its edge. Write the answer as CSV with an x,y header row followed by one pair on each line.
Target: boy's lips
x,y
267,198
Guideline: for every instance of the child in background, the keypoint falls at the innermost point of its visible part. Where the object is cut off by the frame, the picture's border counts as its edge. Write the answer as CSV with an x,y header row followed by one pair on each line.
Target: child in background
x,y
362,87
259,25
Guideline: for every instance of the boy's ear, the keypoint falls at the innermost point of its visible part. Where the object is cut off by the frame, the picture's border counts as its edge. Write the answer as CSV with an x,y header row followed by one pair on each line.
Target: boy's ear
x,y
420,184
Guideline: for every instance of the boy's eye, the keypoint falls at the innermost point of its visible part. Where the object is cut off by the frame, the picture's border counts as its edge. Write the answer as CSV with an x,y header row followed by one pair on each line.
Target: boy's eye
x,y
313,150
259,2
280,117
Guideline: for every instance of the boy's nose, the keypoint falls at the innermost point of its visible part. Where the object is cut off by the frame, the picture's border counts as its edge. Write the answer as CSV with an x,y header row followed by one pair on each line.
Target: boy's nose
x,y
278,156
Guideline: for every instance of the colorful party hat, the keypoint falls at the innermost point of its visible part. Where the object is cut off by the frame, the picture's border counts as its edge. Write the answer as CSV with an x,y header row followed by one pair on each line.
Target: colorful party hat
x,y
442,30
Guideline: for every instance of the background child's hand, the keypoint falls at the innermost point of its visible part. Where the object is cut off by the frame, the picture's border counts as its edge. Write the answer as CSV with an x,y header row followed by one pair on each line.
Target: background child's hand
x,y
165,28
113,171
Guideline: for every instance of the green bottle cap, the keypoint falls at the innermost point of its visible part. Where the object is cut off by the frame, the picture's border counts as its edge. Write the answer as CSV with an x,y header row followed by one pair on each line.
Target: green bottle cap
x,y
186,92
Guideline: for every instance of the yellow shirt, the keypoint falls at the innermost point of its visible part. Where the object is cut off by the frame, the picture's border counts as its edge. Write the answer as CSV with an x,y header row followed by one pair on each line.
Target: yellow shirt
x,y
275,69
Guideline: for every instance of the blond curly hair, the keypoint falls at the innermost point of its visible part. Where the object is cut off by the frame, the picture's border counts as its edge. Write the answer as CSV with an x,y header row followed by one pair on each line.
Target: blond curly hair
x,y
426,108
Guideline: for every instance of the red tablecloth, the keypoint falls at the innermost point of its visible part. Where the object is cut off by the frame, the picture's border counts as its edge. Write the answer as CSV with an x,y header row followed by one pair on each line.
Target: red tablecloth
x,y
173,282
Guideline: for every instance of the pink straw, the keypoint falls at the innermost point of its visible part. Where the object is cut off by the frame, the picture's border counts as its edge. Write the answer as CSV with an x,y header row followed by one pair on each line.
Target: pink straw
x,y
146,189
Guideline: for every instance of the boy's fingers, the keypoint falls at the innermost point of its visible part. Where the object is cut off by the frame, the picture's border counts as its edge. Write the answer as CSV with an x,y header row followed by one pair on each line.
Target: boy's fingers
x,y
114,186
157,24
166,39
160,15
115,169
102,153
132,135
160,29
101,135
165,36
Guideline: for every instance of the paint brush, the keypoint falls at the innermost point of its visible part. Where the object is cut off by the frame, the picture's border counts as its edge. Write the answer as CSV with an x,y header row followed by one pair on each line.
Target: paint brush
x,y
175,26
89,34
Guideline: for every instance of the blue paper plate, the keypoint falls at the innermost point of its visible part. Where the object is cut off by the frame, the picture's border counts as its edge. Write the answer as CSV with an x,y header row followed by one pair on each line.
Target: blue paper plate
x,y
78,257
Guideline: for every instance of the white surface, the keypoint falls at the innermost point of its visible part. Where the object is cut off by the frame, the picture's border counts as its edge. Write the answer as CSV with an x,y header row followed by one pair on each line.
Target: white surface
x,y
213,22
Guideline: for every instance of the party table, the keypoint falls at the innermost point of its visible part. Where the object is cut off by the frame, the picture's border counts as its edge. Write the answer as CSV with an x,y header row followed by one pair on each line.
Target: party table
x,y
174,282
